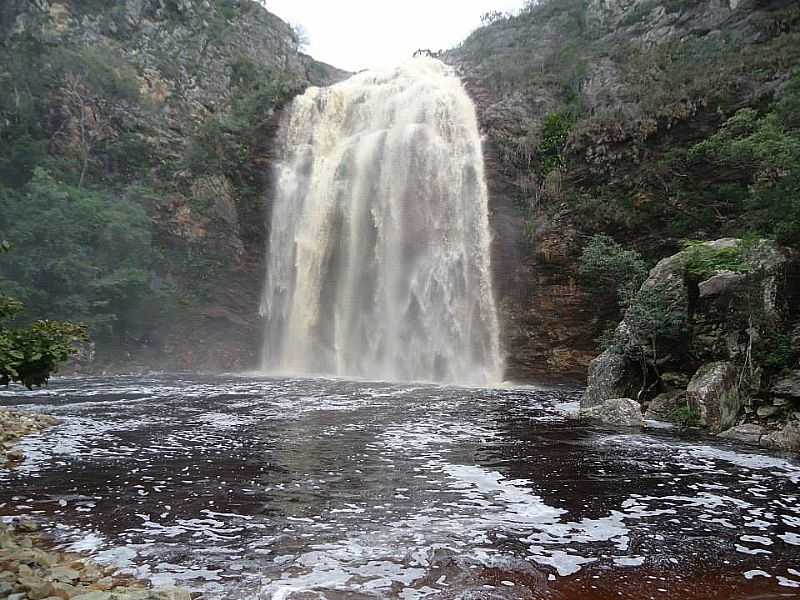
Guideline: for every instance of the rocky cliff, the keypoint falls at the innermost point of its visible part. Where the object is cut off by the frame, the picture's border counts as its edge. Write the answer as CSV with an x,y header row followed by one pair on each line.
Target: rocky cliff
x,y
591,109
166,106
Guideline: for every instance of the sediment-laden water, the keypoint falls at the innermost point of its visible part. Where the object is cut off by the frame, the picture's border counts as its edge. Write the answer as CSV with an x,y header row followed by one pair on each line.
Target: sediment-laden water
x,y
379,259
245,487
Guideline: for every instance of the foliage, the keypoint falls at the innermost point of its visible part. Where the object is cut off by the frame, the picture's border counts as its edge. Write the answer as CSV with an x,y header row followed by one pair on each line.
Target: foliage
x,y
656,313
29,355
556,130
607,265
702,261
685,417
82,255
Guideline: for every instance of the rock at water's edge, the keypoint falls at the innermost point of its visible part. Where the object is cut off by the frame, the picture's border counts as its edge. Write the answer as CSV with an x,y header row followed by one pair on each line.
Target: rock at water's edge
x,y
664,405
787,438
747,434
619,412
713,393
608,378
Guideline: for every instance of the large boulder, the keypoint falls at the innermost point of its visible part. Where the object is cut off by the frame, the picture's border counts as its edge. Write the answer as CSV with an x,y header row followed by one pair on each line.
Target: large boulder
x,y
619,412
713,392
609,377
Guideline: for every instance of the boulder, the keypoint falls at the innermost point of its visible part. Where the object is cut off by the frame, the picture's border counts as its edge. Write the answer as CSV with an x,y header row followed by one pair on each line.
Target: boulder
x,y
608,378
714,394
720,283
664,405
747,434
788,387
787,438
619,412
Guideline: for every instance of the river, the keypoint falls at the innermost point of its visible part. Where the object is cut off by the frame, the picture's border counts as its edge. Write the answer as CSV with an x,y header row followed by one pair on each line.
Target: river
x,y
269,488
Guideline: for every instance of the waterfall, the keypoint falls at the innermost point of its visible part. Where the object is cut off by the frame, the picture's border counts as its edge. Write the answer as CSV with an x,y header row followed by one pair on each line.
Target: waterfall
x,y
379,249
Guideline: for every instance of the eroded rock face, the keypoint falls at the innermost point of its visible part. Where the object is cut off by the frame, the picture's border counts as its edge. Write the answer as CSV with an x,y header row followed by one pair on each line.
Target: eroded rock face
x,y
714,394
788,387
618,412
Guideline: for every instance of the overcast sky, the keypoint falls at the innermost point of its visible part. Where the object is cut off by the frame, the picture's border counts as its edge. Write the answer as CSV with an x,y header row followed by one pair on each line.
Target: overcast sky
x,y
359,34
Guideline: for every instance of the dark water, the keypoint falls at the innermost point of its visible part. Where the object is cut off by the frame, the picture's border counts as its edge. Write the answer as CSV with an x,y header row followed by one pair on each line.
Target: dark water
x,y
298,489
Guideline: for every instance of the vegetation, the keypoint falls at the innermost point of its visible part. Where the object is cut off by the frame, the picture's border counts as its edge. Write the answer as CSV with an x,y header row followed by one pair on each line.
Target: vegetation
x,y
605,264
29,355
685,417
702,261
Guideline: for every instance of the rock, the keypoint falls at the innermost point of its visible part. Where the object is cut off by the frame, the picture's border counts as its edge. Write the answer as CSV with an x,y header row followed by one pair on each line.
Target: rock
x,y
608,378
662,406
765,412
787,438
712,392
620,412
675,380
788,387
38,589
64,574
5,589
747,434
94,596
719,284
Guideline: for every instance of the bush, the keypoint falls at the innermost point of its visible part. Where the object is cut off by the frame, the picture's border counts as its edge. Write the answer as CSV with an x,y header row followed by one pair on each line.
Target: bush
x,y
605,264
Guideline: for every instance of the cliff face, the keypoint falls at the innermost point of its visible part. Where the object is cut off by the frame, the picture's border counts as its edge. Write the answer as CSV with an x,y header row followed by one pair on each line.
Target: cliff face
x,y
171,106
590,110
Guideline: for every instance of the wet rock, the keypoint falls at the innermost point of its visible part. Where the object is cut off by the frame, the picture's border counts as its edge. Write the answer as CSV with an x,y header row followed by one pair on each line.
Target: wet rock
x,y
619,412
15,425
664,405
608,378
713,393
787,438
749,433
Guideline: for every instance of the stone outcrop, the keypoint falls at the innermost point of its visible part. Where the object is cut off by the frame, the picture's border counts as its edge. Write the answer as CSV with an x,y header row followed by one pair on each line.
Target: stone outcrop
x,y
717,368
553,60
786,438
617,412
714,394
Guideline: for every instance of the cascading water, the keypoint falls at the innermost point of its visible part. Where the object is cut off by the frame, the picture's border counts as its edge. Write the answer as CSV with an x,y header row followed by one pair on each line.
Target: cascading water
x,y
379,248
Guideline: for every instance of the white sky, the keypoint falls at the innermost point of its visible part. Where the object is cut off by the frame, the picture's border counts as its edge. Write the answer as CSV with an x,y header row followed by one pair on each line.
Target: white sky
x,y
360,34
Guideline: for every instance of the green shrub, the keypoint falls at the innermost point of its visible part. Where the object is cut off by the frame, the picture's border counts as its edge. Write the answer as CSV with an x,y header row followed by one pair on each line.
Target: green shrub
x,y
685,417
605,264
702,261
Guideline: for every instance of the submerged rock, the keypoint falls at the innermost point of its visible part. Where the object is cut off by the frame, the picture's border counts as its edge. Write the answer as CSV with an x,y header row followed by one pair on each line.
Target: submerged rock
x,y
714,394
620,412
749,433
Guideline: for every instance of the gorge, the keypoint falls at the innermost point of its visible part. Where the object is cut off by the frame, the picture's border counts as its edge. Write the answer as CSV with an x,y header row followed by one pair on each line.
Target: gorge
x,y
519,319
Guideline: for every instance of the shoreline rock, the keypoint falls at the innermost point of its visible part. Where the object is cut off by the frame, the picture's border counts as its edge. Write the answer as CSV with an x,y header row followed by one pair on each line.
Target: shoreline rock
x,y
29,571
14,425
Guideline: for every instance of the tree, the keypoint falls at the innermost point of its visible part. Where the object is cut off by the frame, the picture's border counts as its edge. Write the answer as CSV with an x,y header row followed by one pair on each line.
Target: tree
x,y
29,355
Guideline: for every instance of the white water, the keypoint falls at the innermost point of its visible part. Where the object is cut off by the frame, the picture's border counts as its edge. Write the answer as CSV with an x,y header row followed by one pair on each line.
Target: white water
x,y
379,249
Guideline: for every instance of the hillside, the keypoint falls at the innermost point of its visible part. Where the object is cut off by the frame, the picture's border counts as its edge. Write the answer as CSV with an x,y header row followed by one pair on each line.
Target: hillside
x,y
651,122
135,144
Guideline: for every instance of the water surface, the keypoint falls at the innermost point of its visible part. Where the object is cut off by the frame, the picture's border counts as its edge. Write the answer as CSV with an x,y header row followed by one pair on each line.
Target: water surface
x,y
241,487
